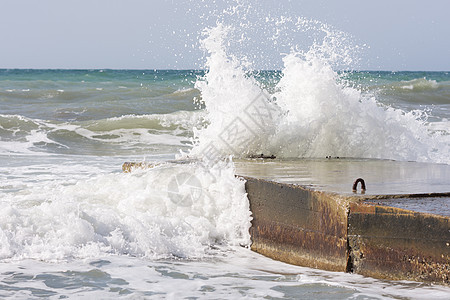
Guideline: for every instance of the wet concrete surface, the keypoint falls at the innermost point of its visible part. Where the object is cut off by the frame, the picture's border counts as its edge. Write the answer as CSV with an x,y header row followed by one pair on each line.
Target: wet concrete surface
x,y
431,205
337,175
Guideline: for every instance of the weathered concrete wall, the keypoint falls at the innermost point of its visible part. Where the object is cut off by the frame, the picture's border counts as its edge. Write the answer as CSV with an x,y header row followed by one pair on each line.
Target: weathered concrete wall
x,y
298,226
332,232
393,243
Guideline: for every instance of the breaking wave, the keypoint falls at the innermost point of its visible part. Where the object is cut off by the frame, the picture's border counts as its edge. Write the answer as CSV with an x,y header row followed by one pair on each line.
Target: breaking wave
x,y
312,111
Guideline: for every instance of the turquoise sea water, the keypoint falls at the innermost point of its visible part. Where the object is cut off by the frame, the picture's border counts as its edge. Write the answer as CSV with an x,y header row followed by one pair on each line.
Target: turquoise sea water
x,y
73,225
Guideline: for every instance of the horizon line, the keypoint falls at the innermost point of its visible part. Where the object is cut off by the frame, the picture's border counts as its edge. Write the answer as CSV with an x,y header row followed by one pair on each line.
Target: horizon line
x,y
204,69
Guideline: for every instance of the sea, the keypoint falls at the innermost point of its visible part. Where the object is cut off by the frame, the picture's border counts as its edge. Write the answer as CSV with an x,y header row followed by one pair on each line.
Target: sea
x,y
74,225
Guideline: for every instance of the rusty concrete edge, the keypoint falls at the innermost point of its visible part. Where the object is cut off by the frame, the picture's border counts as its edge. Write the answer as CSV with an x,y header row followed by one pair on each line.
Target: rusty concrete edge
x,y
128,167
351,200
399,196
358,198
301,187
354,197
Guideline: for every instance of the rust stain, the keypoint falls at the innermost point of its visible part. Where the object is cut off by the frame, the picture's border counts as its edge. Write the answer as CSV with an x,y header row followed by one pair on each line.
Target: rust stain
x,y
393,243
298,226
372,258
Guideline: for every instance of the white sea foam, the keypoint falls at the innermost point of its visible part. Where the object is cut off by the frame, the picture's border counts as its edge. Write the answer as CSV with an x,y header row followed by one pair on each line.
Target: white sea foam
x,y
136,214
239,273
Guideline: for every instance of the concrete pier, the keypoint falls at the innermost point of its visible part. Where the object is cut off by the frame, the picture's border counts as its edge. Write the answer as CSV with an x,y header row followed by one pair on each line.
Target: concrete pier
x,y
306,213
334,232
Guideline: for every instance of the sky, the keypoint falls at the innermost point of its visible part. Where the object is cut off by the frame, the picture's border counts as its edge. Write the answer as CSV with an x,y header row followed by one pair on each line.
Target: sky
x,y
164,34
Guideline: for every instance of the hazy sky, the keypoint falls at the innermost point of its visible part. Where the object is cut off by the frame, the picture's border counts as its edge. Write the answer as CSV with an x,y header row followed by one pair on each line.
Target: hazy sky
x,y
149,34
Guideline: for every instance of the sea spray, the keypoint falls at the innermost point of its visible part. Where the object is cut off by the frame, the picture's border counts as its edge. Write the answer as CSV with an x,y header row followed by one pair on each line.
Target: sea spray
x,y
313,111
229,97
325,117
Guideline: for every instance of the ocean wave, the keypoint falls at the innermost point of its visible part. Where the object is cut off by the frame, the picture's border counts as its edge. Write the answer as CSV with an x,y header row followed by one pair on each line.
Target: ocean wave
x,y
78,101
178,120
156,132
415,91
419,84
186,91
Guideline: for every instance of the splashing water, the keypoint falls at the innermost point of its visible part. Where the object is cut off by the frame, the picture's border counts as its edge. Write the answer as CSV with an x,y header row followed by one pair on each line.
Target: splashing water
x,y
311,112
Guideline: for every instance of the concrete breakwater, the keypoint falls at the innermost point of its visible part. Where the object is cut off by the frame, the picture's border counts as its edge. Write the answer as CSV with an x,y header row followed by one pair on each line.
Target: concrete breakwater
x,y
305,213
348,233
